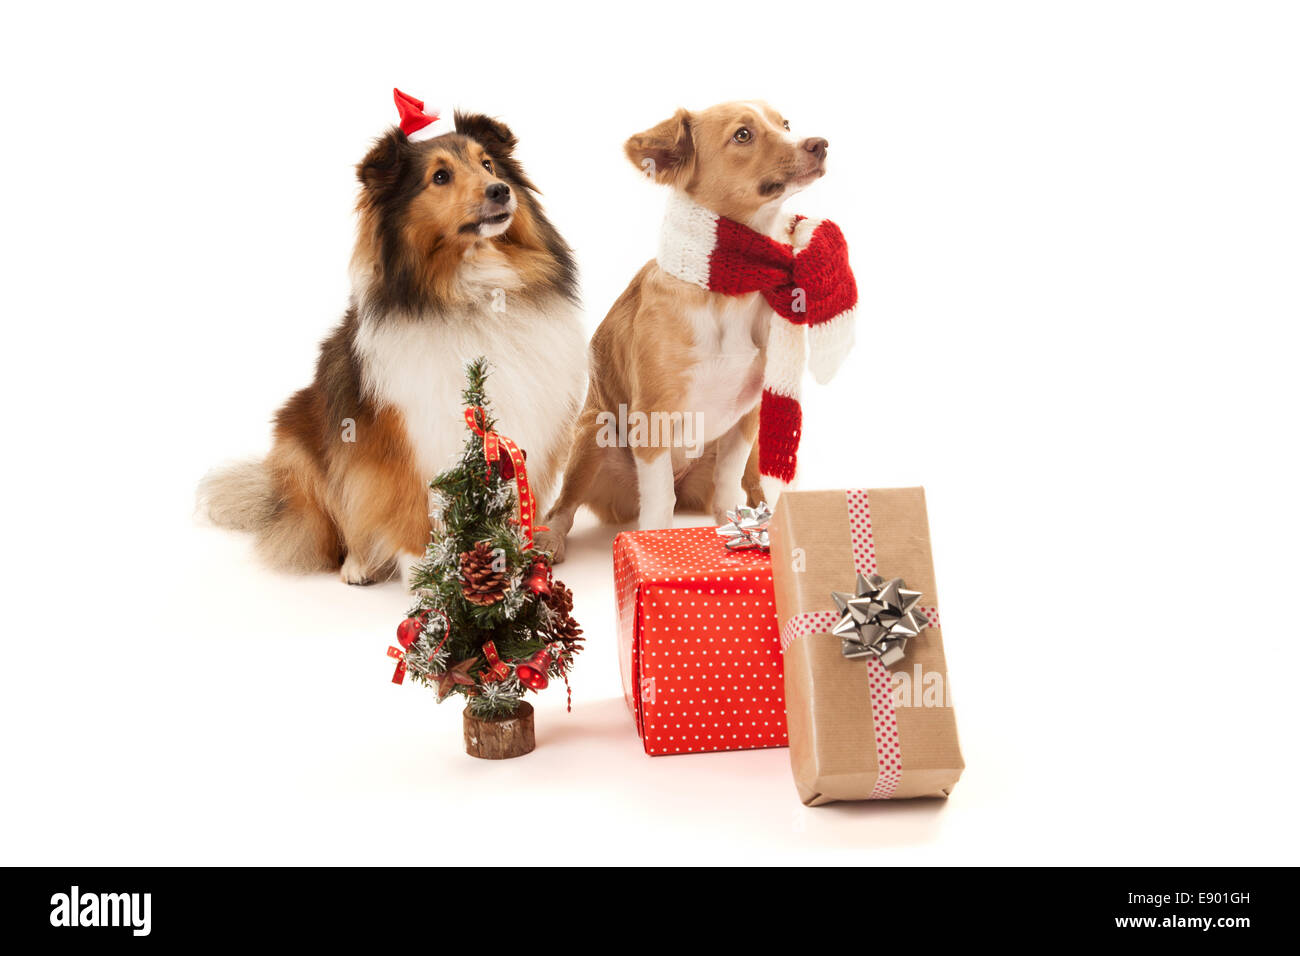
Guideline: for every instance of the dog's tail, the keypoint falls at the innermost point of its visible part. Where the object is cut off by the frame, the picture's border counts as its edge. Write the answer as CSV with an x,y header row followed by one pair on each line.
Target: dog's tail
x,y
239,496
280,506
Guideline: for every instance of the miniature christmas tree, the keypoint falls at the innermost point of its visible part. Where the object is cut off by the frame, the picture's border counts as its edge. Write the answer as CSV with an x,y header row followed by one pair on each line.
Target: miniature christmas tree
x,y
488,622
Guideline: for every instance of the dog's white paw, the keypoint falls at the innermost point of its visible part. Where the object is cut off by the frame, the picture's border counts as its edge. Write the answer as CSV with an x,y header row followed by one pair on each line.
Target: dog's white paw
x,y
355,572
552,541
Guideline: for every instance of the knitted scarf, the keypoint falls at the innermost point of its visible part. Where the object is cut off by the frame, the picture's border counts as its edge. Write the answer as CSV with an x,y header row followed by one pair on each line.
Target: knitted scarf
x,y
807,282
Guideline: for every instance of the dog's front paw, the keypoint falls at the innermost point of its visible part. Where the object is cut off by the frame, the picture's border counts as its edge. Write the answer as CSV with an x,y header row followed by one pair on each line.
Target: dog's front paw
x,y
354,572
552,541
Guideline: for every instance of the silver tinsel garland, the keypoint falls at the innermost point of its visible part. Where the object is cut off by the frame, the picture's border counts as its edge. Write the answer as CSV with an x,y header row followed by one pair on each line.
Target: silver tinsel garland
x,y
514,600
504,496
496,697
424,659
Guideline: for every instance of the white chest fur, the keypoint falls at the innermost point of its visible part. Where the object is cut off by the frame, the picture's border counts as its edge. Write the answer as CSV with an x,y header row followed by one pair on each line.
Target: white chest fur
x,y
538,361
727,379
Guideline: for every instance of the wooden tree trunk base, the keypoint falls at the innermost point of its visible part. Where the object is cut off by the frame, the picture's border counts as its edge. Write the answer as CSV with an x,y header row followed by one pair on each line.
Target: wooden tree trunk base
x,y
498,738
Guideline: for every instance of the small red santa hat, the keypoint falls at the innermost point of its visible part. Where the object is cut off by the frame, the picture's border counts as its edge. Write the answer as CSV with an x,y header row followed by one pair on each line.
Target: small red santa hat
x,y
415,122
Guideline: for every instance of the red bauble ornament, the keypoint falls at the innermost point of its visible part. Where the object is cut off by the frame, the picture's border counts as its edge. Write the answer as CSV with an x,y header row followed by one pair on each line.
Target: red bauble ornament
x,y
408,632
532,672
507,467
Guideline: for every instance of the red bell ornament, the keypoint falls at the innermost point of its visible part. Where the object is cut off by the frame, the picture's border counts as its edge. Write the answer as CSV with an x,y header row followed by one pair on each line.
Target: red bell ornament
x,y
539,579
532,672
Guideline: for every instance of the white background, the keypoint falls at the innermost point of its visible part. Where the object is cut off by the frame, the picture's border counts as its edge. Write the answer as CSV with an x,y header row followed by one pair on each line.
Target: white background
x,y
1075,231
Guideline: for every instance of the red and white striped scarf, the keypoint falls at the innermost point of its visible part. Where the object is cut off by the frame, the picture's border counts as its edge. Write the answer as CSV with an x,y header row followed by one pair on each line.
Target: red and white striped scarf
x,y
806,281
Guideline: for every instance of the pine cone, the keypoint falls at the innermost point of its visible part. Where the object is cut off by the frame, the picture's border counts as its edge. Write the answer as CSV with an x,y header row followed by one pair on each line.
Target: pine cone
x,y
478,581
560,601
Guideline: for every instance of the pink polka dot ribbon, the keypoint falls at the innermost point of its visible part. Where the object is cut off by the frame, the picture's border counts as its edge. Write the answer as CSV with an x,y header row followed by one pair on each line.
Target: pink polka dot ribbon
x,y
884,719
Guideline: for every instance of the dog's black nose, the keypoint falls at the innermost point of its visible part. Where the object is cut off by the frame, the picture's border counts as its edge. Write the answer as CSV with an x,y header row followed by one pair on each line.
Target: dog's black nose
x,y
498,193
817,146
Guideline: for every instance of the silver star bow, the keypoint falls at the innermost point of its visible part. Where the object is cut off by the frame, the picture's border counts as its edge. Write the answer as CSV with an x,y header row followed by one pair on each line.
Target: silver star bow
x,y
878,620
747,528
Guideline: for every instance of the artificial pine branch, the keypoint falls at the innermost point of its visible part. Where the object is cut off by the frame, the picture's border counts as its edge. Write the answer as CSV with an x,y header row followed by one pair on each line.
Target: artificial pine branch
x,y
475,504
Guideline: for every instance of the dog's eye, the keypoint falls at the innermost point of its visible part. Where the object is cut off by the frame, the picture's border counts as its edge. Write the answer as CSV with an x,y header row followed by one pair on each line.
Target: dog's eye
x,y
441,178
786,124
487,164
743,135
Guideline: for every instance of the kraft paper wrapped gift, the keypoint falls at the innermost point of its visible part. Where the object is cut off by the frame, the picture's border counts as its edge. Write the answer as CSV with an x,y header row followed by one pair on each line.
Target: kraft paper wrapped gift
x,y
868,707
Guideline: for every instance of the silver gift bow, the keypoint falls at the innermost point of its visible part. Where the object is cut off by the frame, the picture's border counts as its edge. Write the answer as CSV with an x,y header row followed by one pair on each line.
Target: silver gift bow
x,y
879,619
747,528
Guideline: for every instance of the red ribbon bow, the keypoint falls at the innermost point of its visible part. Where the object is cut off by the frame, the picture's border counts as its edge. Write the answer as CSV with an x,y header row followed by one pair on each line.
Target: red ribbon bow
x,y
512,467
497,668
406,638
399,672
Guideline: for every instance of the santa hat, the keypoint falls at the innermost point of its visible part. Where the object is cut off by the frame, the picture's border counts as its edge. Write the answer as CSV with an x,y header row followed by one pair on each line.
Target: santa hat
x,y
415,122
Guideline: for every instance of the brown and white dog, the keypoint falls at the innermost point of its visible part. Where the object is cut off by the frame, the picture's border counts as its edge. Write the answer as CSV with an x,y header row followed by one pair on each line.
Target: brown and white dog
x,y
454,259
689,358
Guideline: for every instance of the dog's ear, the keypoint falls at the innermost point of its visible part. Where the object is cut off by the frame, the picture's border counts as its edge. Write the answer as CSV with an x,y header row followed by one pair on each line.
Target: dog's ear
x,y
498,140
493,134
382,167
664,152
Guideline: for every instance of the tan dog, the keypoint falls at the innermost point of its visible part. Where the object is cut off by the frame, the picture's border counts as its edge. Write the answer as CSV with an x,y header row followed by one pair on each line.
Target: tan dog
x,y
676,371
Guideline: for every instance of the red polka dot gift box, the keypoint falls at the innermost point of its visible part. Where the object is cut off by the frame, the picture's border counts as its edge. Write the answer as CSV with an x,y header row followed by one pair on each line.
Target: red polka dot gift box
x,y
699,647
868,701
